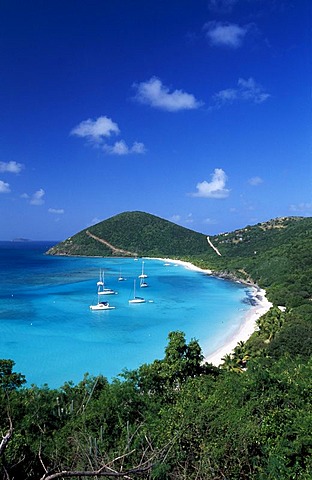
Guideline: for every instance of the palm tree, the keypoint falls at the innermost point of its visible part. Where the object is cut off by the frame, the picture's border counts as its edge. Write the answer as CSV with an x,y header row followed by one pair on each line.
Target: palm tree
x,y
230,364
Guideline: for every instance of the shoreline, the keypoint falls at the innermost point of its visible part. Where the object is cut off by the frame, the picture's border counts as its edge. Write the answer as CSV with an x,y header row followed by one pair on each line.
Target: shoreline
x,y
246,328
248,324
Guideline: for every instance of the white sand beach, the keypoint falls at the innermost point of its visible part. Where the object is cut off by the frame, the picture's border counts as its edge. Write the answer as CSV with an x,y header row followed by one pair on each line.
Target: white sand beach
x,y
188,265
248,324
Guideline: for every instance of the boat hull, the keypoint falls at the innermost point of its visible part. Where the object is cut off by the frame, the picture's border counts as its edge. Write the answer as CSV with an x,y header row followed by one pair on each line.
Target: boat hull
x,y
137,300
101,306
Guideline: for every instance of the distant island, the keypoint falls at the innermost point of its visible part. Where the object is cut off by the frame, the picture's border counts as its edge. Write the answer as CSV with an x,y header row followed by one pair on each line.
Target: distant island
x,y
21,240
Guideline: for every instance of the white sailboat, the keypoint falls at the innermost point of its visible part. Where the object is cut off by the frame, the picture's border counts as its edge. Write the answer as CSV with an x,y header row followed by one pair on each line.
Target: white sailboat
x,y
121,278
143,283
101,306
136,299
102,290
143,275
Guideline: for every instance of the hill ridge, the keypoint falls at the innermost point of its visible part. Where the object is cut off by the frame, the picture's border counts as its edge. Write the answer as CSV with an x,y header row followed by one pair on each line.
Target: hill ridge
x,y
133,234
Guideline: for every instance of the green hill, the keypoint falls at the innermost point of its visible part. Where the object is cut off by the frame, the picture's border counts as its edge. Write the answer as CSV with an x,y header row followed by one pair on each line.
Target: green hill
x,y
276,254
131,234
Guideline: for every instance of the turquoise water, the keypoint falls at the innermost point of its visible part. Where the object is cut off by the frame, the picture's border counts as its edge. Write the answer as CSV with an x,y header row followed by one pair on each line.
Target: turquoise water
x,y
48,329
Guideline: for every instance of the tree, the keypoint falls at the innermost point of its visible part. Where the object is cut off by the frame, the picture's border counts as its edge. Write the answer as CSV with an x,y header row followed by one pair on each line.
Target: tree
x,y
8,379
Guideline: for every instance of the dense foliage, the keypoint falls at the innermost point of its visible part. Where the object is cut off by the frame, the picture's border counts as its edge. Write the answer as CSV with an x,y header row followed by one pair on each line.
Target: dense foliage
x,y
136,232
182,419
179,418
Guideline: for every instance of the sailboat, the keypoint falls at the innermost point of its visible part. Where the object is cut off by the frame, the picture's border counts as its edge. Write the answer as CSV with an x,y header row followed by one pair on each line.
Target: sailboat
x,y
102,290
121,278
136,299
143,275
143,283
101,305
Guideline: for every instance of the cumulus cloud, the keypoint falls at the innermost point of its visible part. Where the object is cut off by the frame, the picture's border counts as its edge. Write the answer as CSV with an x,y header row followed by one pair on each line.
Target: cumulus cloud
x,y
121,148
97,131
247,90
37,197
4,187
254,181
155,94
56,211
11,167
222,34
138,147
215,188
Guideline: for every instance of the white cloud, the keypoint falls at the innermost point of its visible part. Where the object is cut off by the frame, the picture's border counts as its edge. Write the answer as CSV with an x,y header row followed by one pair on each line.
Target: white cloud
x,y
250,90
254,181
37,197
301,207
155,94
222,34
138,147
209,221
247,90
11,167
215,188
96,130
121,148
189,218
4,187
57,211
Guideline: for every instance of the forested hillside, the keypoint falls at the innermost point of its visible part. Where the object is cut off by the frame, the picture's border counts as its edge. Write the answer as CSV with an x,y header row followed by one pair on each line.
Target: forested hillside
x,y
275,254
178,417
137,233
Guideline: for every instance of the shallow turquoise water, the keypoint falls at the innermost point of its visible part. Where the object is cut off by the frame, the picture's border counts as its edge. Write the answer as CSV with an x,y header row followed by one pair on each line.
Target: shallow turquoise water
x,y
47,328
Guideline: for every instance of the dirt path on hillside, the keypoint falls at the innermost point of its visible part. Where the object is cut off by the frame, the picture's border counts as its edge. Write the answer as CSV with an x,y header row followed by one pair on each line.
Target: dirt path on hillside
x,y
115,250
213,247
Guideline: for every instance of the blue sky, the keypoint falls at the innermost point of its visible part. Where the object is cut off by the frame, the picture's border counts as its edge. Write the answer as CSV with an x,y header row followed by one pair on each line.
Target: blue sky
x,y
198,112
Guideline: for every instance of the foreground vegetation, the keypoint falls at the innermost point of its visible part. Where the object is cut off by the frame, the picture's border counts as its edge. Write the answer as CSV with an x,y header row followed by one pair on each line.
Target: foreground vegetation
x,y
178,418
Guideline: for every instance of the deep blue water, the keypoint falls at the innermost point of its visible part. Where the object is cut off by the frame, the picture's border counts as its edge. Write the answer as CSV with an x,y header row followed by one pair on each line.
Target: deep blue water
x,y
48,329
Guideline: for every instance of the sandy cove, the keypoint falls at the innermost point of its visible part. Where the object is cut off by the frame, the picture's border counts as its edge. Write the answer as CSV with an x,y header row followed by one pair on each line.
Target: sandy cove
x,y
248,325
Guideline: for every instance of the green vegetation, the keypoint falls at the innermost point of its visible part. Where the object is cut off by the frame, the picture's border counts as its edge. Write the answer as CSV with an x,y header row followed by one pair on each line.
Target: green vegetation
x,y
172,419
275,254
177,418
136,232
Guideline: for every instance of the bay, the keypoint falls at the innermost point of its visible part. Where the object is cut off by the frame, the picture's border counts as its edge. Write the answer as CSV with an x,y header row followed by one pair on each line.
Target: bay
x,y
48,329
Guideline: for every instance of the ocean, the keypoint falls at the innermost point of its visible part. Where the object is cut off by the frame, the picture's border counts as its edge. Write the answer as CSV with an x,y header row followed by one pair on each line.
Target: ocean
x,y
48,329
